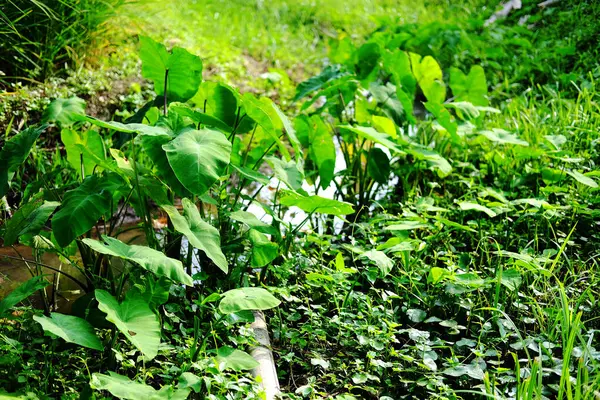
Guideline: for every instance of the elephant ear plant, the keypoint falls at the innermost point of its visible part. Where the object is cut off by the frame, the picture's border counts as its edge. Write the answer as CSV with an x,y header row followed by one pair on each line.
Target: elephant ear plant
x,y
199,153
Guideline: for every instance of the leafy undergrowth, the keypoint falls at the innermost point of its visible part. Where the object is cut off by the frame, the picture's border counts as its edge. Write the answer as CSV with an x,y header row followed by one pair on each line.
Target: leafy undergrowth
x,y
423,227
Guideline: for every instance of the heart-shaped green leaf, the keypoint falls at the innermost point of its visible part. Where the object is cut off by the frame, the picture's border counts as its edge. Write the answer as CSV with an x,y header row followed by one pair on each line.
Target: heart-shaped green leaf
x,y
149,259
198,158
122,387
184,70
134,319
71,329
235,359
248,298
200,234
311,204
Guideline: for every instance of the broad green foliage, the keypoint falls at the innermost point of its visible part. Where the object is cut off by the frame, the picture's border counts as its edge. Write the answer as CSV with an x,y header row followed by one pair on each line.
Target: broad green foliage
x,y
83,206
28,220
200,234
183,71
22,292
248,298
329,74
149,259
78,145
198,158
71,329
134,319
65,112
235,359
14,152
311,204
123,388
263,250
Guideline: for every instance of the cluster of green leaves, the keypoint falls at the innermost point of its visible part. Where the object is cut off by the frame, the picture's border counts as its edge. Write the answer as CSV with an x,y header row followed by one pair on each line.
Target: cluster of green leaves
x,y
208,149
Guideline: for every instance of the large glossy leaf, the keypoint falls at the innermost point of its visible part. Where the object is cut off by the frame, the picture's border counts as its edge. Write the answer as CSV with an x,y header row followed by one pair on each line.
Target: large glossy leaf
x,y
90,140
28,220
82,207
429,76
22,292
153,147
467,206
288,172
322,150
64,111
311,204
248,298
471,88
184,70
219,101
149,259
503,137
330,73
122,387
71,329
264,113
237,360
198,158
398,64
378,166
263,250
252,222
134,319
200,233
14,153
371,134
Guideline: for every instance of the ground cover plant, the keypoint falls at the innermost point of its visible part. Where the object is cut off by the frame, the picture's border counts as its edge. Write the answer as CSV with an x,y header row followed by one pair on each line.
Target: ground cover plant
x,y
418,219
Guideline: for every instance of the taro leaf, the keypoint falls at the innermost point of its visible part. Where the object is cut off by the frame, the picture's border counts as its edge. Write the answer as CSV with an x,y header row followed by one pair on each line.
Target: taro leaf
x,y
89,139
184,70
330,73
398,64
28,220
199,117
501,136
385,125
64,111
322,150
444,118
374,136
134,318
433,160
122,387
218,101
83,206
14,153
200,234
251,174
198,158
263,250
511,278
465,110
378,165
237,360
125,128
581,178
466,206
156,291
264,113
149,259
471,88
248,298
388,101
252,222
153,147
311,204
71,329
429,76
368,59
288,172
22,292
383,262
